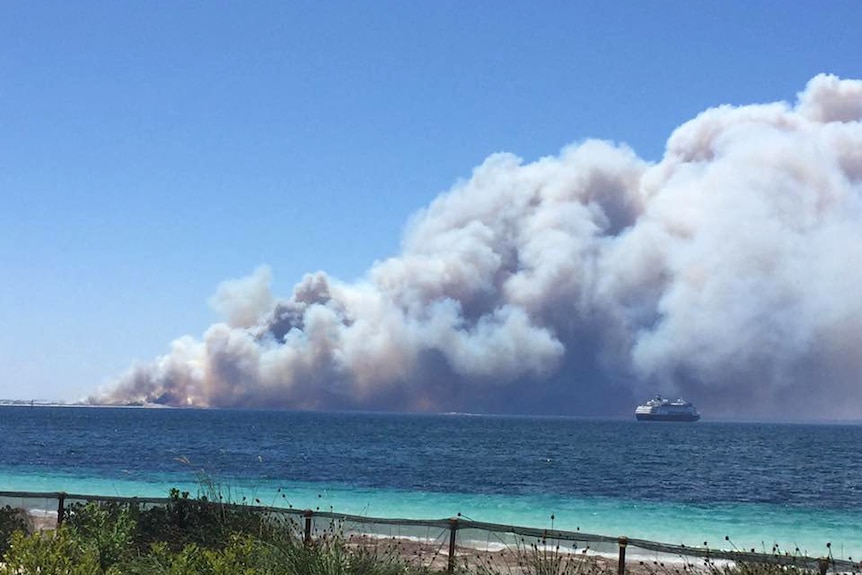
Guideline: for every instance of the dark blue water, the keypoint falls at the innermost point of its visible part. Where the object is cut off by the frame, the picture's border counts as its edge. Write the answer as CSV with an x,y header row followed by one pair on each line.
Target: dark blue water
x,y
595,473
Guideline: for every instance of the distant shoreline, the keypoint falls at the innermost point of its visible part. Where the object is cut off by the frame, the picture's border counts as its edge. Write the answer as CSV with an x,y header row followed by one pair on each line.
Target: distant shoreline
x,y
46,403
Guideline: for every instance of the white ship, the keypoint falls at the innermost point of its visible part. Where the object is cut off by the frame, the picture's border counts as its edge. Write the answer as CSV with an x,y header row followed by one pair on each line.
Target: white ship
x,y
661,409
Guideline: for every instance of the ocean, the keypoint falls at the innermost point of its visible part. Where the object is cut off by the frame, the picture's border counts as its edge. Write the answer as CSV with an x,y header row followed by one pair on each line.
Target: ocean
x,y
794,485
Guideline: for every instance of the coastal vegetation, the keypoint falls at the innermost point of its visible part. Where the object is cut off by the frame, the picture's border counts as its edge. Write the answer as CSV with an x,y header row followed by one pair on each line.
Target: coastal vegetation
x,y
11,520
205,536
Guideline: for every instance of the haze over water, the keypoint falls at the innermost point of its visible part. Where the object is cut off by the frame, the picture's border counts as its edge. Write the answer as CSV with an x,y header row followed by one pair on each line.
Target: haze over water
x,y
760,484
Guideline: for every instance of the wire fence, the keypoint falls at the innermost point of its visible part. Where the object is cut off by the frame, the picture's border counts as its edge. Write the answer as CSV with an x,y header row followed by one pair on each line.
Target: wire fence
x,y
453,543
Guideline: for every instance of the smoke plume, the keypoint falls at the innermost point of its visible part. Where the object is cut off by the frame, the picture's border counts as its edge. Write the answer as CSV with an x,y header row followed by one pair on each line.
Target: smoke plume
x,y
729,273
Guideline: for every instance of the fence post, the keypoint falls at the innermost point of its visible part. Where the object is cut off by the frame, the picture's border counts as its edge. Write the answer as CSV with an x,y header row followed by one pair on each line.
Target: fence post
x,y
621,566
453,530
61,508
306,538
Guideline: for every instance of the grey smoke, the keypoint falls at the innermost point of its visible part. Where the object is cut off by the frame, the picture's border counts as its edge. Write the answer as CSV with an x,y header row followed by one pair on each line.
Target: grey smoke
x,y
730,273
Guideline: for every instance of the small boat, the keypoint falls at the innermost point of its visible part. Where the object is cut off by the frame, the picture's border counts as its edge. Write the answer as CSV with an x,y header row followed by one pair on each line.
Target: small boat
x,y
661,409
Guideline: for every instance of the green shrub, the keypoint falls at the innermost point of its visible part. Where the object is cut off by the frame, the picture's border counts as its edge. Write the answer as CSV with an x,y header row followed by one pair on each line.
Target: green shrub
x,y
56,553
208,524
11,520
333,555
121,529
366,560
161,560
106,527
239,557
247,555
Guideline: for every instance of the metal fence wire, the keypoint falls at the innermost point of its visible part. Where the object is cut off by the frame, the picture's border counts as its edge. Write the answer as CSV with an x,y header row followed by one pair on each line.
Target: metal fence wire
x,y
454,543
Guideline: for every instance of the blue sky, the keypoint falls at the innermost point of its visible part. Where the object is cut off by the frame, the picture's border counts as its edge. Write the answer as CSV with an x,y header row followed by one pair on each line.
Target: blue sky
x,y
149,151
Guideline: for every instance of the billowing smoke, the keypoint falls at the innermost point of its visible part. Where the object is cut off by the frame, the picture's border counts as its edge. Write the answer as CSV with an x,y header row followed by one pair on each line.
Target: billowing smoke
x,y
729,273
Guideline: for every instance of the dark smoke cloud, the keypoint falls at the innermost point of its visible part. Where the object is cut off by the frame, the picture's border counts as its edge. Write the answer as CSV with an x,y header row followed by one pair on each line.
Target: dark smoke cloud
x,y
730,273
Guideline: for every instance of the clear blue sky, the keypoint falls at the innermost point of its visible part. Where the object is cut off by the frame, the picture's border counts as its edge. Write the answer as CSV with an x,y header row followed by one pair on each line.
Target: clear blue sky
x,y
151,150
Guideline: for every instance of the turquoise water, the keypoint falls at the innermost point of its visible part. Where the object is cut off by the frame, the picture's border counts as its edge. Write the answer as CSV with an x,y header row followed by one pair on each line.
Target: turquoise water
x,y
759,485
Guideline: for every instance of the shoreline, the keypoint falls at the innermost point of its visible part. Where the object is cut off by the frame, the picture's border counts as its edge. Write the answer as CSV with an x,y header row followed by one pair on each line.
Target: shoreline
x,y
489,540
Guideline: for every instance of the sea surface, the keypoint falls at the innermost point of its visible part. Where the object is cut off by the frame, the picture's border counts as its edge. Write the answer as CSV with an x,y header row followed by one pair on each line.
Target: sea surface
x,y
794,485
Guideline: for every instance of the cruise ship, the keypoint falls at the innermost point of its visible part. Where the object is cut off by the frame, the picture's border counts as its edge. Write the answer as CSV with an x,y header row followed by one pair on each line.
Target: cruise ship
x,y
661,409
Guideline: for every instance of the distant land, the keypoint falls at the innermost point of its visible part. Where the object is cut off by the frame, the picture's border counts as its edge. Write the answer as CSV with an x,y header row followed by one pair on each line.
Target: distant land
x,y
52,403
35,402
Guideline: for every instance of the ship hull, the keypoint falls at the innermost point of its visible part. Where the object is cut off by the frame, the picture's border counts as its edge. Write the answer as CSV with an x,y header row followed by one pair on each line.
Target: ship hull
x,y
688,417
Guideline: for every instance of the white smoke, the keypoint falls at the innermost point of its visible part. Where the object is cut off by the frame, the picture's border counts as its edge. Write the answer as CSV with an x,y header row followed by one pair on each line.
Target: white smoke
x,y
730,272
